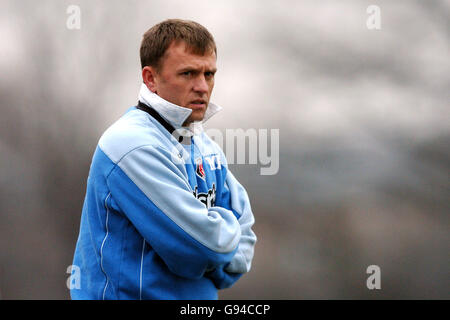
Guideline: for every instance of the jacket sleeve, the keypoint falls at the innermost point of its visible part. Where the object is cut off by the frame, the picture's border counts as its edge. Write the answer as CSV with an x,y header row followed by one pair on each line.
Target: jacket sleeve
x,y
154,194
225,276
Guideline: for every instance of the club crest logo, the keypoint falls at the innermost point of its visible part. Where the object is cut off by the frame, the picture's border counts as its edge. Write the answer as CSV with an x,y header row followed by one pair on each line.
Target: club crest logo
x,y
199,168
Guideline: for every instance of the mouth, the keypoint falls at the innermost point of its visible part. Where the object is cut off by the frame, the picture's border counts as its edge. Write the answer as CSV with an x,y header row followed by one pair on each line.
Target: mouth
x,y
198,104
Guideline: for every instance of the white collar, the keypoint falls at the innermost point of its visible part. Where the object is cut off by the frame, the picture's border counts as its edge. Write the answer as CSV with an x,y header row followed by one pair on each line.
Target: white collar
x,y
172,113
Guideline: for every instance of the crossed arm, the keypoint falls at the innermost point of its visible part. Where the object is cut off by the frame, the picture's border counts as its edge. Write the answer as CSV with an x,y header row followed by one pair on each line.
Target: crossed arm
x,y
192,240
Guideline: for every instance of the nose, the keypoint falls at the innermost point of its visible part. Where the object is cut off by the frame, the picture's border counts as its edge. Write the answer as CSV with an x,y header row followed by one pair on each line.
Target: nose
x,y
201,85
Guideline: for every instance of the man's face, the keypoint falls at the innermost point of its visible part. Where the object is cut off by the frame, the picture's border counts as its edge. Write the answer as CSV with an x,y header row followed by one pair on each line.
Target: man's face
x,y
184,78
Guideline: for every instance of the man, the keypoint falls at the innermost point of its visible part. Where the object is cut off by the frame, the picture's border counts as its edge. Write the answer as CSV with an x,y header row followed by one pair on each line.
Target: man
x,y
163,217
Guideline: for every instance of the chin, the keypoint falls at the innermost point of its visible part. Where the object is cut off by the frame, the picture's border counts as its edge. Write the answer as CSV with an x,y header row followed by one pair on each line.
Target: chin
x,y
197,116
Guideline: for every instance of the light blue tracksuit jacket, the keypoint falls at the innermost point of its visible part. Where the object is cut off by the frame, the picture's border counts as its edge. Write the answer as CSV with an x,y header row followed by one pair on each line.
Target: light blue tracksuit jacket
x,y
161,219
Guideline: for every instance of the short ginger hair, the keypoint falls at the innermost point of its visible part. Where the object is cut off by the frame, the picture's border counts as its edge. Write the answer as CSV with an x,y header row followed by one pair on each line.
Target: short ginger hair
x,y
158,38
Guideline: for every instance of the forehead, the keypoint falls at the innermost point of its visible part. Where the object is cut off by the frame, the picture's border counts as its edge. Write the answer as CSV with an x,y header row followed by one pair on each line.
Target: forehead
x,y
179,55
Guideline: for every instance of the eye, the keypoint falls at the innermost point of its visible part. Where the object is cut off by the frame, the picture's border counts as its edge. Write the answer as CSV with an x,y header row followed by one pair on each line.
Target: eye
x,y
187,73
209,74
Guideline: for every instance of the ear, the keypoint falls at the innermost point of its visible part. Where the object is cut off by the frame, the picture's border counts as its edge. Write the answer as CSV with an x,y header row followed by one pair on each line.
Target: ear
x,y
149,78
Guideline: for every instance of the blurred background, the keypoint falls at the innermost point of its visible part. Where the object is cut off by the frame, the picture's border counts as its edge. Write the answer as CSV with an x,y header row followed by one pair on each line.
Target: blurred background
x,y
363,116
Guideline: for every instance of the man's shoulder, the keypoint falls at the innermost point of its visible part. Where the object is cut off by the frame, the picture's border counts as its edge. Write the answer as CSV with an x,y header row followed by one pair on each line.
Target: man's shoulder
x,y
133,130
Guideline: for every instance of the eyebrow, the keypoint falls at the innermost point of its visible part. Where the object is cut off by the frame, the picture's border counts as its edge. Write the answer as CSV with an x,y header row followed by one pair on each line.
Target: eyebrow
x,y
191,68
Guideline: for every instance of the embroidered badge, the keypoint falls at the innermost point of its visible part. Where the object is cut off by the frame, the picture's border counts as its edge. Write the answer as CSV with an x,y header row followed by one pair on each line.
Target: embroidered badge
x,y
199,168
